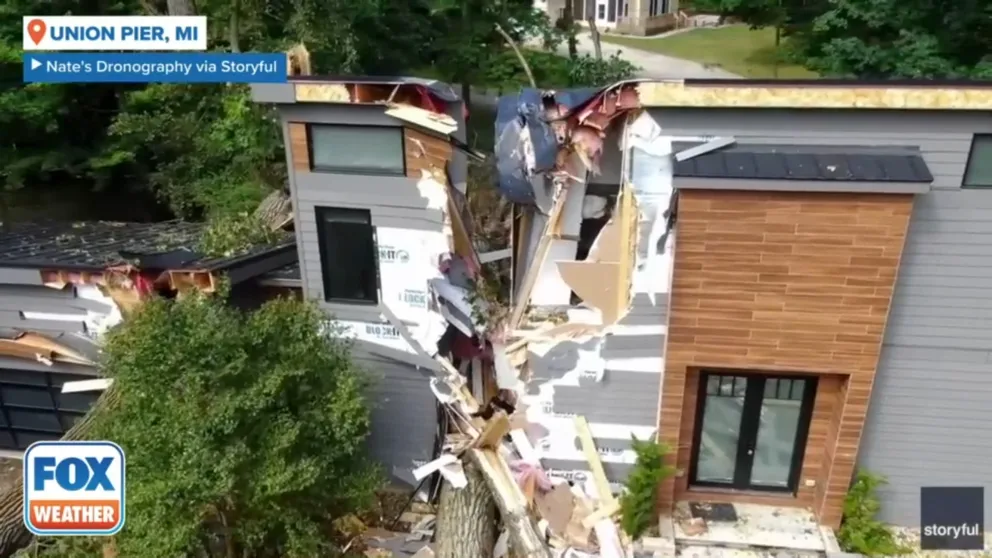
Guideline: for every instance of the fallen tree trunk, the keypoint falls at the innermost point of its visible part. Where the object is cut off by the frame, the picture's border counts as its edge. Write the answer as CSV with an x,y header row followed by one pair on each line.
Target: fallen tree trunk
x,y
13,534
526,540
466,518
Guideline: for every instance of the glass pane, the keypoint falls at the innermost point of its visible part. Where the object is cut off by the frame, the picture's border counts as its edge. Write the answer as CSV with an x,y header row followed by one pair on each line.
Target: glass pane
x,y
740,386
783,388
713,385
359,148
771,388
347,256
719,436
777,438
979,171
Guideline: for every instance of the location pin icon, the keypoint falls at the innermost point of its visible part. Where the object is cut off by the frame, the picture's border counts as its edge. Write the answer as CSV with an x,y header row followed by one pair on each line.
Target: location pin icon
x,y
36,30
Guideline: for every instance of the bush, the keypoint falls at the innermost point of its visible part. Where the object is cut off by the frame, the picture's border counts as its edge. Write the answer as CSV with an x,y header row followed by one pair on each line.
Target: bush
x,y
860,531
244,433
638,504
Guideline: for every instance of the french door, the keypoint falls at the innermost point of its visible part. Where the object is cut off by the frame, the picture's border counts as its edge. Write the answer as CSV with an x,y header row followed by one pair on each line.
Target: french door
x,y
751,431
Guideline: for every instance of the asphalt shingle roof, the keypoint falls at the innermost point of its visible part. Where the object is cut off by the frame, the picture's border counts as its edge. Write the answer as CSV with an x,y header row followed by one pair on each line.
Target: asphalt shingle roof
x,y
777,162
100,244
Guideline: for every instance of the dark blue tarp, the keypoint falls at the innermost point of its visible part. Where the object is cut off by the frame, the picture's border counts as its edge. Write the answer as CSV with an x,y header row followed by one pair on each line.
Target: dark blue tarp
x,y
514,114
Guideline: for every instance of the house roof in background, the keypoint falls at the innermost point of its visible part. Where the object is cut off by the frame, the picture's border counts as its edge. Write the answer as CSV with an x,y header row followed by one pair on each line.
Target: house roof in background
x,y
96,245
784,162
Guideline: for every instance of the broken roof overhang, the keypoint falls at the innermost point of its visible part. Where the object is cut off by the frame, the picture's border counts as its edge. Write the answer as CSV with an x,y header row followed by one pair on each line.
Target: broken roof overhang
x,y
36,346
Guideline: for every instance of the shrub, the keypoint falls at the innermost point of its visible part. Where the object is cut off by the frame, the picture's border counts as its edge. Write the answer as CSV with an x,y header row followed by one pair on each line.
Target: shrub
x,y
244,432
860,531
638,504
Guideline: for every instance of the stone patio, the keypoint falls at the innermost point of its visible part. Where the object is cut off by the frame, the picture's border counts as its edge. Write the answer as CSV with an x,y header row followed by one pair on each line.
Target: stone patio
x,y
758,530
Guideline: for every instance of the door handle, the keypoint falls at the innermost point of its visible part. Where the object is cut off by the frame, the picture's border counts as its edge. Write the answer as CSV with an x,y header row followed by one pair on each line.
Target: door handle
x,y
750,452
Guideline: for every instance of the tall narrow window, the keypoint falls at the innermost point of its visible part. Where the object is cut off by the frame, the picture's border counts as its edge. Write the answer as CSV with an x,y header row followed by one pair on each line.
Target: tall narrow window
x,y
348,259
357,149
978,172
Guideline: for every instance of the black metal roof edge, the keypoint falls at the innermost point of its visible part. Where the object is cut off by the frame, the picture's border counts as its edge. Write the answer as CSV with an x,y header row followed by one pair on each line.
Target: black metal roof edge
x,y
840,82
714,176
257,253
217,264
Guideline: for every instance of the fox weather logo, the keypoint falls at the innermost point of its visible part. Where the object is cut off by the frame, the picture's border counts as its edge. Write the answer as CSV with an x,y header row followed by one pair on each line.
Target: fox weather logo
x,y
74,488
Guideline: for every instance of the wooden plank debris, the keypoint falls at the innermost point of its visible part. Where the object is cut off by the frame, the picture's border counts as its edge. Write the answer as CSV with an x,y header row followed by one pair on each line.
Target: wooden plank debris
x,y
606,498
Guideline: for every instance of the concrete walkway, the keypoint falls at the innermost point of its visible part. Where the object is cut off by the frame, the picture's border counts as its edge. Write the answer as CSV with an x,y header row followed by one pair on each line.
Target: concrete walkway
x,y
652,64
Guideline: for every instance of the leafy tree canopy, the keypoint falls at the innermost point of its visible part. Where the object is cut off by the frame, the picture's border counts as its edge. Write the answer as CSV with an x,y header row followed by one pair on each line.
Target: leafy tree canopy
x,y
243,433
903,39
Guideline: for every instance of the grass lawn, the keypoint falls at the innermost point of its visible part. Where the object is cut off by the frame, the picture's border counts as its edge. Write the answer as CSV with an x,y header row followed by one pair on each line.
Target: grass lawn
x,y
734,48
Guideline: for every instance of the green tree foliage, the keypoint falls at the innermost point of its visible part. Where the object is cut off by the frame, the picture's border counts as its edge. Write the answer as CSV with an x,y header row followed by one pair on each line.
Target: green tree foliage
x,y
638,505
860,532
244,434
205,149
899,38
51,133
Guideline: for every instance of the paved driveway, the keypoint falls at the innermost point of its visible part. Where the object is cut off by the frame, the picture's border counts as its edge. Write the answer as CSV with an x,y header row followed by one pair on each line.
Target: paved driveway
x,y
652,64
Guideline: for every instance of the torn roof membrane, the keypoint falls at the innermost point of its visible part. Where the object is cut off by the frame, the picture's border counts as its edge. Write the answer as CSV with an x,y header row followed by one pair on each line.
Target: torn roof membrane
x,y
534,130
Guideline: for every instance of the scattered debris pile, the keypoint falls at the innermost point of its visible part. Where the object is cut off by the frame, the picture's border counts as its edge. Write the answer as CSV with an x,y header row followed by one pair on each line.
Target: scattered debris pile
x,y
546,145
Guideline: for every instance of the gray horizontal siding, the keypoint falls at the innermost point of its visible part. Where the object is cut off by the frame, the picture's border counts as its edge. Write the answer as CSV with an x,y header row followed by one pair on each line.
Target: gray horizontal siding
x,y
629,398
392,202
403,414
944,138
404,417
929,418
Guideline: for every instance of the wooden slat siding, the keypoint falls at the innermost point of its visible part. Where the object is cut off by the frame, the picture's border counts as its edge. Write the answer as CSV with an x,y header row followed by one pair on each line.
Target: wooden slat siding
x,y
782,282
438,153
299,146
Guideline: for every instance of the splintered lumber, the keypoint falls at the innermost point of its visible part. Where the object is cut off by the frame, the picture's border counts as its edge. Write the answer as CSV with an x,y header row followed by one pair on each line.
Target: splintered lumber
x,y
525,538
522,301
595,465
13,534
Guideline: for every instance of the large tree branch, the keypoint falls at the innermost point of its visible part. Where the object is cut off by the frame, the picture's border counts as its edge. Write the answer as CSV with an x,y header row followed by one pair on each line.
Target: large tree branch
x,y
519,53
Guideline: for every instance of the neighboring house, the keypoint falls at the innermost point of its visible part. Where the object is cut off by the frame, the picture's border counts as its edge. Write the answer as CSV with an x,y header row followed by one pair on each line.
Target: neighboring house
x,y
634,17
62,285
741,292
369,234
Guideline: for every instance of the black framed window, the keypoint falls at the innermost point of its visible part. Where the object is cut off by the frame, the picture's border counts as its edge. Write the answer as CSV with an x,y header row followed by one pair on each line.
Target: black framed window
x,y
750,431
978,172
356,149
348,257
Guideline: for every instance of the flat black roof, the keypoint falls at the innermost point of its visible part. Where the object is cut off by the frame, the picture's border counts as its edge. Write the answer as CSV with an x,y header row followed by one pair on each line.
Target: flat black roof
x,y
96,245
785,162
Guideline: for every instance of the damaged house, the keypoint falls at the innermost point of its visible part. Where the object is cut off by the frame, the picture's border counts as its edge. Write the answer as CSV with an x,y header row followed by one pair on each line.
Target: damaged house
x,y
712,264
63,285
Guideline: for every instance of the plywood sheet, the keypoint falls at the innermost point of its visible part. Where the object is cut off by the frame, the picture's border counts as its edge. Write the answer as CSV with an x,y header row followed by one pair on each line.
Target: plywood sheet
x,y
322,93
679,94
425,152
